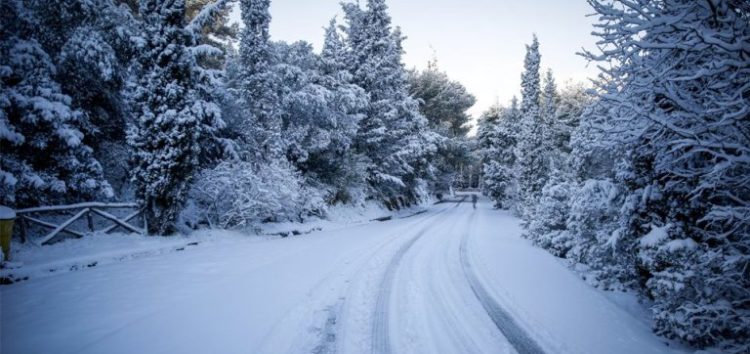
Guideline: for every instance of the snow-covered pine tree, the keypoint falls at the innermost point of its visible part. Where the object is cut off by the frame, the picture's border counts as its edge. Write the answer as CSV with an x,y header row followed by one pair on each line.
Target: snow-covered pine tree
x,y
258,84
550,98
593,215
498,137
678,91
44,159
595,198
393,135
549,102
334,54
93,75
302,135
537,213
593,150
339,166
486,127
90,43
444,102
532,164
176,116
548,226
573,100
320,111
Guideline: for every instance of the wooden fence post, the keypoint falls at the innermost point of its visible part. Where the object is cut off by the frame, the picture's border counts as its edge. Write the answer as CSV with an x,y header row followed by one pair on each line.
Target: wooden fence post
x,y
90,221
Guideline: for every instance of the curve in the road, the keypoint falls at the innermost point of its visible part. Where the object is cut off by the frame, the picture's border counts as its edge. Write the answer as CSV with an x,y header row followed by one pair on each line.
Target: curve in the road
x,y
517,337
380,333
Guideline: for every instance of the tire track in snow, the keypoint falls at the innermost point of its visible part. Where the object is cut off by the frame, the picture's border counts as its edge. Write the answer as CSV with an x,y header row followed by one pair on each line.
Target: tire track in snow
x,y
329,298
328,343
517,337
453,315
333,304
381,343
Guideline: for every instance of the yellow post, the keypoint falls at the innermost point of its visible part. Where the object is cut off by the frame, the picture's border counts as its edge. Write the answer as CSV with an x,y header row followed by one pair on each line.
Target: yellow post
x,y
7,217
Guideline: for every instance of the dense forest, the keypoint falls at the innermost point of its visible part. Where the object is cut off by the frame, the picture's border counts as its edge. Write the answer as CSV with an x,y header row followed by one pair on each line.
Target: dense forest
x,y
640,179
202,121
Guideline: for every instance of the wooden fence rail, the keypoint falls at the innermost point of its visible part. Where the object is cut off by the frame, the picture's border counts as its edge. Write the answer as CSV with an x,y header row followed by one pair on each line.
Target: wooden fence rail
x,y
34,216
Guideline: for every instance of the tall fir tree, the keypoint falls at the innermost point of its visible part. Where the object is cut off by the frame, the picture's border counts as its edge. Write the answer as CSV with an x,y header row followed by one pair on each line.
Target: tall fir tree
x,y
393,135
531,90
549,103
339,166
258,83
532,162
334,53
176,116
550,98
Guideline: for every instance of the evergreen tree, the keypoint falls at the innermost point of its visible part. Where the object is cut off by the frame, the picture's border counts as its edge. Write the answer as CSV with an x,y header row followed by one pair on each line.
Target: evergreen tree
x,y
393,134
498,136
531,81
91,44
550,224
176,116
44,158
548,227
320,111
258,83
444,102
549,103
339,165
593,215
573,100
532,158
550,99
677,92
334,54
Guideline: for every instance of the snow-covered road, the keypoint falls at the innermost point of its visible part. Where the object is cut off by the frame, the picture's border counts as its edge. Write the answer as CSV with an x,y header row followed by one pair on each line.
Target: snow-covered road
x,y
451,280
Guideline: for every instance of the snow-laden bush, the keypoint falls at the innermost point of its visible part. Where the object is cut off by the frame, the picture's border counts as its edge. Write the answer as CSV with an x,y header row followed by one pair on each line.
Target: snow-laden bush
x,y
548,226
242,195
498,183
698,292
593,219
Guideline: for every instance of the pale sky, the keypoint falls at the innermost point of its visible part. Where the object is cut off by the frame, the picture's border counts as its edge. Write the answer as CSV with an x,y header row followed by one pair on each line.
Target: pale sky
x,y
477,42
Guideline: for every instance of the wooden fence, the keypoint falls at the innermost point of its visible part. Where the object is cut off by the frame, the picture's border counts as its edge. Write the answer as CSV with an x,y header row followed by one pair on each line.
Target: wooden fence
x,y
36,216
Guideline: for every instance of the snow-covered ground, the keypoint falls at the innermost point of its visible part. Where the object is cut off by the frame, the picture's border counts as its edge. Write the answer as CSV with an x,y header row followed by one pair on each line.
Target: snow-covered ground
x,y
451,280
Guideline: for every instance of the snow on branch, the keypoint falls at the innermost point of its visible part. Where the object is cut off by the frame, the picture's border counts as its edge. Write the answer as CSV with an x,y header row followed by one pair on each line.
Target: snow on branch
x,y
207,16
